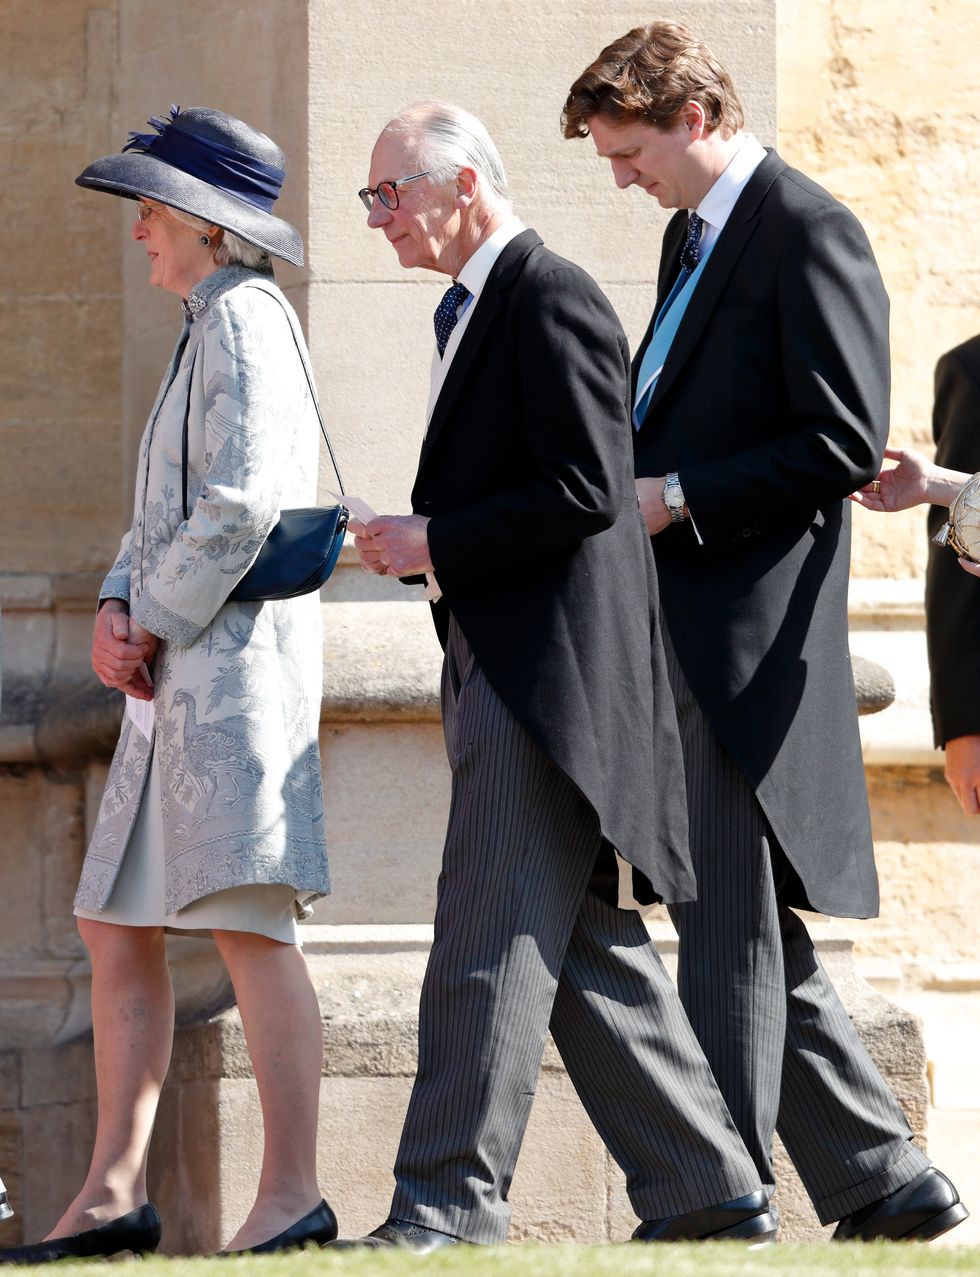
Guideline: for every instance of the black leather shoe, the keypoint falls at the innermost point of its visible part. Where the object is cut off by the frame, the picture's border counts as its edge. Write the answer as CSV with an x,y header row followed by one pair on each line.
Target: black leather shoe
x,y
398,1232
921,1209
138,1231
746,1218
316,1228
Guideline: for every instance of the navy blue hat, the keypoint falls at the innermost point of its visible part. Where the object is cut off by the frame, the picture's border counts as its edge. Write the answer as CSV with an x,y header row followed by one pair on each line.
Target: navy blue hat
x,y
210,165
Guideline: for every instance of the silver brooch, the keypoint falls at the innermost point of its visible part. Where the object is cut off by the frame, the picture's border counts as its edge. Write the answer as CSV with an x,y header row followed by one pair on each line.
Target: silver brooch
x,y
195,305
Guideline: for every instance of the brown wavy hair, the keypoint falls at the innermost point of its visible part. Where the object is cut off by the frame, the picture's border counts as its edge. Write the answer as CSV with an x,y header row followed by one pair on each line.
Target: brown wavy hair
x,y
649,75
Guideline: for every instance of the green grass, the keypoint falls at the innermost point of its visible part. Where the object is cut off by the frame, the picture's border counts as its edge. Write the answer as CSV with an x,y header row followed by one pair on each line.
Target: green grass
x,y
534,1260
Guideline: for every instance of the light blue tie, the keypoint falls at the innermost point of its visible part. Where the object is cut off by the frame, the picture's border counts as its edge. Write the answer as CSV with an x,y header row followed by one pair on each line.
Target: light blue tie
x,y
664,330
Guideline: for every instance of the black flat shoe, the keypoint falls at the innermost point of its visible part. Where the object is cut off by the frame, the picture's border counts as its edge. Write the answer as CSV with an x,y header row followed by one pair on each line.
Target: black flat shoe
x,y
745,1218
400,1233
922,1209
316,1228
138,1231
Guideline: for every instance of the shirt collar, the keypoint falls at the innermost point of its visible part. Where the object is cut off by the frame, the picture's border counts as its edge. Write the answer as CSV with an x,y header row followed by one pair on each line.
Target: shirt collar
x,y
717,205
477,269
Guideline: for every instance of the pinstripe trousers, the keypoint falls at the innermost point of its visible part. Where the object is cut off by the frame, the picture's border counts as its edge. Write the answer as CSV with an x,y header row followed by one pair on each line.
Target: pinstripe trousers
x,y
778,1038
527,933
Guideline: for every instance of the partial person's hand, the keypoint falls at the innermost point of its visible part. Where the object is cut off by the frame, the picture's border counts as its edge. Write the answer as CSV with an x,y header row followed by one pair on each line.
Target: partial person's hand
x,y
120,649
401,542
650,494
145,638
115,659
972,568
140,686
900,488
367,551
963,771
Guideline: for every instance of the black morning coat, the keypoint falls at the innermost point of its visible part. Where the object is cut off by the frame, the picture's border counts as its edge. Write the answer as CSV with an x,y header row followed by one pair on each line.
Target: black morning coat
x,y
952,595
773,407
538,546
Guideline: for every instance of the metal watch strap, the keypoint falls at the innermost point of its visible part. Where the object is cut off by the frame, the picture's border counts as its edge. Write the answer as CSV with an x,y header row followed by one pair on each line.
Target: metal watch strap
x,y
673,489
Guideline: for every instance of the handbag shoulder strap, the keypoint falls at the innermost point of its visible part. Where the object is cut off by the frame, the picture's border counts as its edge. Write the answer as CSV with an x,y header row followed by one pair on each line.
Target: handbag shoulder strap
x,y
300,347
183,439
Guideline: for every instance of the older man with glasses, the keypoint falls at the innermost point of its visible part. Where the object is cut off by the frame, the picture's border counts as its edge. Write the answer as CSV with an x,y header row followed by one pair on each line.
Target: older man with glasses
x,y
559,728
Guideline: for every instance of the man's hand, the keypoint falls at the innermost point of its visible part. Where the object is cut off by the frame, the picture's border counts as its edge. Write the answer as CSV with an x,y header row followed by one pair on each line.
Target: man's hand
x,y
963,771
393,545
367,551
119,647
650,494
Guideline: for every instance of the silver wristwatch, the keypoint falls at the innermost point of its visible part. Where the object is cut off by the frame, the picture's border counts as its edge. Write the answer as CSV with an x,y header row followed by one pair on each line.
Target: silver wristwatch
x,y
674,497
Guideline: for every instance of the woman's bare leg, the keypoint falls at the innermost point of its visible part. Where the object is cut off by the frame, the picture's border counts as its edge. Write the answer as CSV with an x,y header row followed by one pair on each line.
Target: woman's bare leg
x,y
281,1018
133,1030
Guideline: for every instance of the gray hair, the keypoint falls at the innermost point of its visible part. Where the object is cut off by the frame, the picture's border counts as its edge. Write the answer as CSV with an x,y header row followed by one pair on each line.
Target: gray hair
x,y
447,138
232,250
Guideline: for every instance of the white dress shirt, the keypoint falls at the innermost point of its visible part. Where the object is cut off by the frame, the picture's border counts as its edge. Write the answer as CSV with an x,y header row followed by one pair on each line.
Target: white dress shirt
x,y
716,207
473,276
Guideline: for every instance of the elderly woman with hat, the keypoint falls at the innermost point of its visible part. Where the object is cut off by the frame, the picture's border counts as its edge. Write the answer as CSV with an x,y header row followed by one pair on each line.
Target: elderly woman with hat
x,y
212,816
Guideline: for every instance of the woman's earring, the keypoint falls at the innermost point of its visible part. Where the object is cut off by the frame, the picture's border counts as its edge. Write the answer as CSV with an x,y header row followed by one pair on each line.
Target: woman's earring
x,y
205,240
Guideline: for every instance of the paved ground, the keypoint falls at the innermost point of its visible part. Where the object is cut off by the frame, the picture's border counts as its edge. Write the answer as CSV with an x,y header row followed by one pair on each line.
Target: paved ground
x,y
951,1023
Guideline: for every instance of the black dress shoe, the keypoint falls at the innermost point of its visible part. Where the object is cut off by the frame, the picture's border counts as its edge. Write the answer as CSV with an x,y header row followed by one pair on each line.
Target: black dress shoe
x,y
138,1231
398,1232
921,1209
316,1228
746,1218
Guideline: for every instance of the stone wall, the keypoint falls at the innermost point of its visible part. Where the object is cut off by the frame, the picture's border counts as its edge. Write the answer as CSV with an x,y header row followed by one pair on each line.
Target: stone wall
x,y
60,291
207,1146
244,57
879,100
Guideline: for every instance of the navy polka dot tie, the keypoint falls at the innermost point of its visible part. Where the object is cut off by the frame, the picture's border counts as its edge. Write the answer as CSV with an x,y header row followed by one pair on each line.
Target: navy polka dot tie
x,y
691,252
445,318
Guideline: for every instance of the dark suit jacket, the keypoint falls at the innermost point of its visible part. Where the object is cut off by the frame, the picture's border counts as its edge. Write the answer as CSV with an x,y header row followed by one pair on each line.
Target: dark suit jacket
x,y
952,595
540,552
773,406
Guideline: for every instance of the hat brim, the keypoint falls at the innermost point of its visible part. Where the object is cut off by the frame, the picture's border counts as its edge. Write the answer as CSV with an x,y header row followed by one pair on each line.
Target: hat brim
x,y
136,175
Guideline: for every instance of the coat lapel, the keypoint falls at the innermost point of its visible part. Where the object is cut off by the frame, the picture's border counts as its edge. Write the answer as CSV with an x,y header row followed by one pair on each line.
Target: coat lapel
x,y
488,306
667,271
723,260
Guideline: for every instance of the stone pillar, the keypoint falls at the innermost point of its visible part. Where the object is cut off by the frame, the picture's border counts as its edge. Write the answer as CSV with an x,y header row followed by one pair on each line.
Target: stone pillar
x,y
60,324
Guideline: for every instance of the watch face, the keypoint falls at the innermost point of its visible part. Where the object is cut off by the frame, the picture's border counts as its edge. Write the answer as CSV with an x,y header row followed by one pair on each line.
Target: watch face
x,y
674,497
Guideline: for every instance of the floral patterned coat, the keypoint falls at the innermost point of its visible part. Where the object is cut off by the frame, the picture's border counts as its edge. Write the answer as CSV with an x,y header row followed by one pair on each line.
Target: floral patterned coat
x,y
237,685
